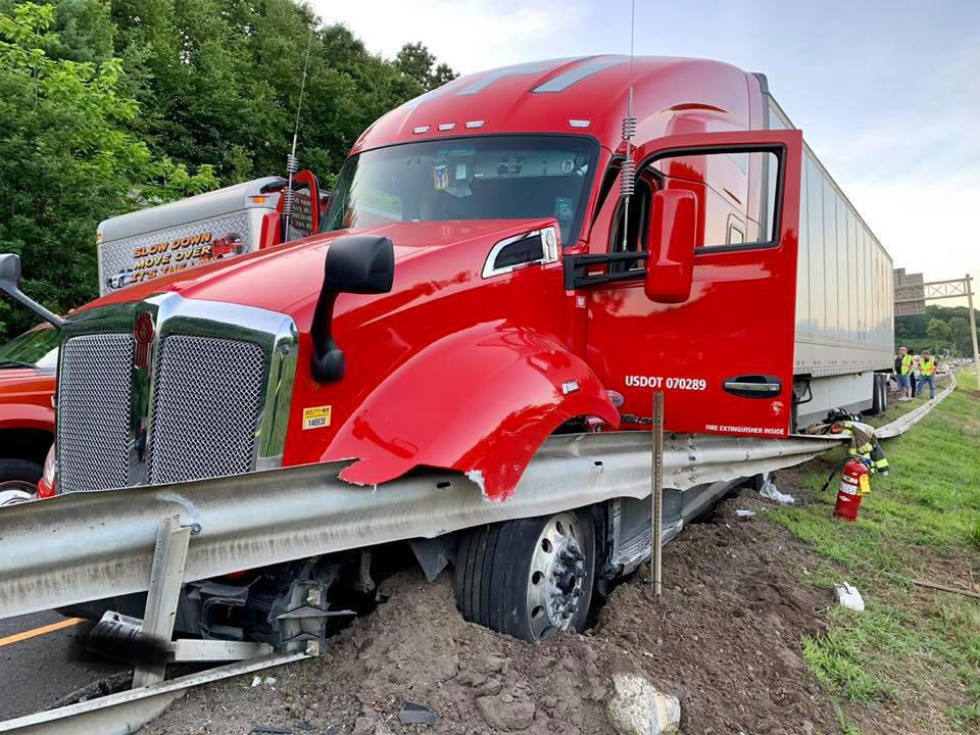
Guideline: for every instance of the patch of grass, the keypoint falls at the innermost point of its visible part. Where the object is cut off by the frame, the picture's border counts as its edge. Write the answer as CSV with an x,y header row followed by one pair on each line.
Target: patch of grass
x,y
966,717
911,644
975,534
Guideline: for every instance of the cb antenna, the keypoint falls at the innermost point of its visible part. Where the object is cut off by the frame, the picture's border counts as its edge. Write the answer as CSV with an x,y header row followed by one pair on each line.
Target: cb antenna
x,y
292,165
627,183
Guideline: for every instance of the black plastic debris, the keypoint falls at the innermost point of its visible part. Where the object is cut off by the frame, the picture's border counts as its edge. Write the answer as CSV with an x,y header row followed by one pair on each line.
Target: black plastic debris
x,y
416,714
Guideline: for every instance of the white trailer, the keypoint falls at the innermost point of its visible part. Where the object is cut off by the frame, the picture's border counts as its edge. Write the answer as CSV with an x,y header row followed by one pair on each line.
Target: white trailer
x,y
845,322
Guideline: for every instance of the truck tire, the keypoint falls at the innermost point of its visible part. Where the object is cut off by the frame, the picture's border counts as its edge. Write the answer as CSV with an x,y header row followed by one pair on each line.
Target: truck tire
x,y
18,475
879,394
528,578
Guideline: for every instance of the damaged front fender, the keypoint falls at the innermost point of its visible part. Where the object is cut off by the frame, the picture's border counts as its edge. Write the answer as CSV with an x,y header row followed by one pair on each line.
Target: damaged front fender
x,y
480,401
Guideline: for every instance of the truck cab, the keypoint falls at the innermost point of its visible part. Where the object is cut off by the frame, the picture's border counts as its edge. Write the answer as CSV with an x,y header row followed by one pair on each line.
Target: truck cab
x,y
713,325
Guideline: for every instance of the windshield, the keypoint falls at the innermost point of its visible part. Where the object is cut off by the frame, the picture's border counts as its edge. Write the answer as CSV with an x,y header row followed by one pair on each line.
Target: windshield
x,y
499,177
37,347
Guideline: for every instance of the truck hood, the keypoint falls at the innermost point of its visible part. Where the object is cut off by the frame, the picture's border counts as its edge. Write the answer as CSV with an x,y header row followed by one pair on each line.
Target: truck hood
x,y
288,276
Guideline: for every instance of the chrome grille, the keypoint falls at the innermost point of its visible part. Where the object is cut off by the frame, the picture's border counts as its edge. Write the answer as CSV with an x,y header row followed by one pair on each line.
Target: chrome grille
x,y
94,392
206,401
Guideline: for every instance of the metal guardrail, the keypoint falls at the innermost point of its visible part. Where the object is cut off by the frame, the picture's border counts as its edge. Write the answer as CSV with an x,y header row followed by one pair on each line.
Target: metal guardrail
x,y
87,546
125,712
906,421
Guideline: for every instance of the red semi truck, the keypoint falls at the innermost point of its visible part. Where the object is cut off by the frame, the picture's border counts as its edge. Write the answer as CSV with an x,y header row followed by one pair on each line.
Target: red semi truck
x,y
480,284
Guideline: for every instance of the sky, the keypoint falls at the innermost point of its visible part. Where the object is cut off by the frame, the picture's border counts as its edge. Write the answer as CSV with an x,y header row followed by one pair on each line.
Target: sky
x,y
886,93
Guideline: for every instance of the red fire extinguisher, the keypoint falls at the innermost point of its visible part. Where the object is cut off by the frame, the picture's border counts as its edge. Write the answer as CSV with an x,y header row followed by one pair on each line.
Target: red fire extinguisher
x,y
855,482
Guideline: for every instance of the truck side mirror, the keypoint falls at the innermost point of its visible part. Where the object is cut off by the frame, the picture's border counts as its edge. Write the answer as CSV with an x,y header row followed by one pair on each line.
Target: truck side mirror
x,y
10,272
10,284
670,263
362,264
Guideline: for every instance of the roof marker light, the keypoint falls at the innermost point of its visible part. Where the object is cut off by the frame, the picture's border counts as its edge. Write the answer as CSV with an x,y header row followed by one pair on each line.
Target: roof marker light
x,y
419,129
447,126
473,124
579,123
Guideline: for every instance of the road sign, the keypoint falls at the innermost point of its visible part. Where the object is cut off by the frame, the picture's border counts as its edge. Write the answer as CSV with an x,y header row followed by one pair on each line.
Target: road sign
x,y
909,293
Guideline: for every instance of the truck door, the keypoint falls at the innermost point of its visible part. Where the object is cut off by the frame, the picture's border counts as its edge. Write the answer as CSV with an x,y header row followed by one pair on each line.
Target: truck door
x,y
702,306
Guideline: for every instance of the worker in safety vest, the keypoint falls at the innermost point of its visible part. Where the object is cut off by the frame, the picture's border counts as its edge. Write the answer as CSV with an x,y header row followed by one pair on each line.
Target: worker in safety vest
x,y
927,373
903,369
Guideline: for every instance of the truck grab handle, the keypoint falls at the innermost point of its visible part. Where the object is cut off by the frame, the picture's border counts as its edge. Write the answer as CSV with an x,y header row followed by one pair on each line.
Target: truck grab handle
x,y
754,386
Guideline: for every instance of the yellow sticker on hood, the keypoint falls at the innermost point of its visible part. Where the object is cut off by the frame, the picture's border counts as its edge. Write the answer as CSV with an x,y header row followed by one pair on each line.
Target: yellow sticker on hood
x,y
316,417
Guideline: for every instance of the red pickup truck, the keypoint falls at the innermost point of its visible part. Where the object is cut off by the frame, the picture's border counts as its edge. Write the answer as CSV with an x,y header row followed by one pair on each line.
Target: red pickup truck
x,y
511,256
27,380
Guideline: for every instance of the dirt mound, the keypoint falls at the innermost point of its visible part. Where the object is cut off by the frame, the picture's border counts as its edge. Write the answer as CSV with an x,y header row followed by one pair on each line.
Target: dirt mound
x,y
725,639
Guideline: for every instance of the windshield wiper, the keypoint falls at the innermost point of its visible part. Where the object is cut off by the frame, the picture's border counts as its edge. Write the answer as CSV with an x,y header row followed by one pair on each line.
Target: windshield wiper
x,y
16,364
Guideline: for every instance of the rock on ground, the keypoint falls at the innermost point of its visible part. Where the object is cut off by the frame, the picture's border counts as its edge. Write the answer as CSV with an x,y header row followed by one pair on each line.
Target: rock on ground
x,y
637,708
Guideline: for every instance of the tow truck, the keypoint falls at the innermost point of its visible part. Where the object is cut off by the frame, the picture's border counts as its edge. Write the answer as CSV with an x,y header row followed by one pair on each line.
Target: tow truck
x,y
511,265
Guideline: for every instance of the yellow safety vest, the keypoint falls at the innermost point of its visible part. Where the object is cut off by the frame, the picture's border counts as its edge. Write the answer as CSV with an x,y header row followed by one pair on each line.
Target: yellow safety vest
x,y
906,364
927,367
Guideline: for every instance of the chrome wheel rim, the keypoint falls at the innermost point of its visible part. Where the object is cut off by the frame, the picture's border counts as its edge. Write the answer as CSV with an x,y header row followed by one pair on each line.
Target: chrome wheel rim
x,y
556,581
16,491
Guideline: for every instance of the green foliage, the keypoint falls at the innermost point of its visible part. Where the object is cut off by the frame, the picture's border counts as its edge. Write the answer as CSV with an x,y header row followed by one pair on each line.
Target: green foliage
x,y
940,329
218,82
114,105
415,61
920,522
67,160
959,329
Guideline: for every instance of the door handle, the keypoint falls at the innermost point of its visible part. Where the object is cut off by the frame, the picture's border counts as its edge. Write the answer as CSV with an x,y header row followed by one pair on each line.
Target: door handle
x,y
754,386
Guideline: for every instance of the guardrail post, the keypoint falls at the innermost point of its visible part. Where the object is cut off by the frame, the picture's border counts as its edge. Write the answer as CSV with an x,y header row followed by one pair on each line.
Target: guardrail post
x,y
166,580
657,494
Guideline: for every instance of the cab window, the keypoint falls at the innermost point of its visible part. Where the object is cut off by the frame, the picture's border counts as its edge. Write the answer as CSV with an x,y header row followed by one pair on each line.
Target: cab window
x,y
735,194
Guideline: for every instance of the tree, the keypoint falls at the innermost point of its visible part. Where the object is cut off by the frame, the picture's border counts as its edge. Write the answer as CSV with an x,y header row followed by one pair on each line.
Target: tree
x,y
112,105
913,330
938,330
938,334
66,161
959,329
415,61
219,82
441,75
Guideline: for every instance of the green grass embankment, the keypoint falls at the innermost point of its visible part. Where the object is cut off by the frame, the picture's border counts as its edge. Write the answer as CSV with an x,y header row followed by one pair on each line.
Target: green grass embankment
x,y
914,654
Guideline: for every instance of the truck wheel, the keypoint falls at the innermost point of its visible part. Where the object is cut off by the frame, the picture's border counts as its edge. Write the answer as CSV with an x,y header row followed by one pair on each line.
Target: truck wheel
x,y
528,578
879,394
17,478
